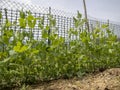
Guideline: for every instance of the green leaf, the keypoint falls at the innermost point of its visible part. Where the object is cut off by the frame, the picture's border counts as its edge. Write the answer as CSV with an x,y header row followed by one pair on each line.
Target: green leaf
x,y
97,31
44,34
79,16
47,27
32,23
61,39
34,51
0,15
31,20
22,23
40,26
8,24
108,31
74,19
105,26
19,47
72,31
76,22
12,52
53,22
55,43
22,14
7,35
30,17
111,50
5,60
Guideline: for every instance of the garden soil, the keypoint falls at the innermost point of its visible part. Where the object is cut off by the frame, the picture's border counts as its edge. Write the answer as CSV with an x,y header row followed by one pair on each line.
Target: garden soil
x,y
106,80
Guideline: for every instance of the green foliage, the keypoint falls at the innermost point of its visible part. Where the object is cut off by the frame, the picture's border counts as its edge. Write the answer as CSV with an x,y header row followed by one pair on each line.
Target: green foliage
x,y
0,15
31,21
31,61
22,22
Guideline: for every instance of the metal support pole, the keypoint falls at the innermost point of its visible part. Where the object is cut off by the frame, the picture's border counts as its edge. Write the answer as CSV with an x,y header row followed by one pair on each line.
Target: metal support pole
x,y
85,11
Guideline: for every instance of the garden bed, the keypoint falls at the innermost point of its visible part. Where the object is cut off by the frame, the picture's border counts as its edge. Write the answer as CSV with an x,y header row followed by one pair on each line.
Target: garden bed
x,y
106,80
29,61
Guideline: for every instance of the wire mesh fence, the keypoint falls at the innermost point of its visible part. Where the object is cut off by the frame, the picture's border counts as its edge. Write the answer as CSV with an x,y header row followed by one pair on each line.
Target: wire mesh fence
x,y
63,24
64,21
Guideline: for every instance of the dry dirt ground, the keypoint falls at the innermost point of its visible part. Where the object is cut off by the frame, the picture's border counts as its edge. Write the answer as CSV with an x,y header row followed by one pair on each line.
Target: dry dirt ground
x,y
106,80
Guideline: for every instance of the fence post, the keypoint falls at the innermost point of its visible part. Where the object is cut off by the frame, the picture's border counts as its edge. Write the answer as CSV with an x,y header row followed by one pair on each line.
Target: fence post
x,y
108,22
6,15
85,11
92,27
49,31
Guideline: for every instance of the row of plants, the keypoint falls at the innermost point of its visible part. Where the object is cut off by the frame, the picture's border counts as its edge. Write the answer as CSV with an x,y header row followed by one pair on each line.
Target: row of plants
x,y
25,60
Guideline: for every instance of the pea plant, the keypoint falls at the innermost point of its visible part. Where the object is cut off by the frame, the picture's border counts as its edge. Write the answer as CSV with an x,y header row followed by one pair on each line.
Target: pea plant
x,y
26,61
